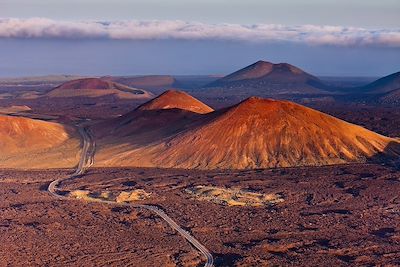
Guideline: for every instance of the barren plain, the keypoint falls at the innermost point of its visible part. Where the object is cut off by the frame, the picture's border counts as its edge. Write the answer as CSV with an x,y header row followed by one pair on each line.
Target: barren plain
x,y
337,215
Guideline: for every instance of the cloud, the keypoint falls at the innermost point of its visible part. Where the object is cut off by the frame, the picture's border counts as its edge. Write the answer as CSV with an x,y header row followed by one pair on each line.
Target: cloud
x,y
181,30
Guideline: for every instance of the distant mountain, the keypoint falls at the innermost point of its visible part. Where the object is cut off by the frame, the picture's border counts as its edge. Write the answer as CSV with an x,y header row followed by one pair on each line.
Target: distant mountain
x,y
383,85
256,133
167,114
95,87
269,79
176,99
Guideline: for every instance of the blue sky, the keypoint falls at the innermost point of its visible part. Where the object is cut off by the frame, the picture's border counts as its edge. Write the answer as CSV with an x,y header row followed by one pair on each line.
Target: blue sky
x,y
349,38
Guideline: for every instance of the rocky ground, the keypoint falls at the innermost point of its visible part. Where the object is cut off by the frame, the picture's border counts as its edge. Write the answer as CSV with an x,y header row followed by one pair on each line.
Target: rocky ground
x,y
345,215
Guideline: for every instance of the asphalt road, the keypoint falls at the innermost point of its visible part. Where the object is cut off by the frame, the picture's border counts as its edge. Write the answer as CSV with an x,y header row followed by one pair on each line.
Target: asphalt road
x,y
87,160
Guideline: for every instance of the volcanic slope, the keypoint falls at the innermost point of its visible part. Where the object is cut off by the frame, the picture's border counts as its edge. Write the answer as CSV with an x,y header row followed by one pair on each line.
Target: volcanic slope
x,y
256,133
95,87
267,78
384,84
28,144
176,99
391,98
163,116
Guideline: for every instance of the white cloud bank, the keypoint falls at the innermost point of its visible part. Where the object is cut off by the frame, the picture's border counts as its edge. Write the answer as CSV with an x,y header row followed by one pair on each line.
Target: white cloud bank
x,y
149,30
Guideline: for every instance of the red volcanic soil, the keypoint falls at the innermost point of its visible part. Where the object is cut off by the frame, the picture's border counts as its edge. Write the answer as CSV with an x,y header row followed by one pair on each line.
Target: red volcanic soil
x,y
28,143
22,133
39,230
94,87
256,133
272,78
262,69
163,116
331,216
176,99
92,83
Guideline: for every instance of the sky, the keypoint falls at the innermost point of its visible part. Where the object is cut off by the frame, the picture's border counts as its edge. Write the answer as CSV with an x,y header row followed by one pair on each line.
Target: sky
x,y
187,37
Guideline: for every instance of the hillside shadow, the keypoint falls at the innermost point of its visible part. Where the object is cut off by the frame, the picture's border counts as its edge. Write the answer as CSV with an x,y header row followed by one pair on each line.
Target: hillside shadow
x,y
390,156
148,126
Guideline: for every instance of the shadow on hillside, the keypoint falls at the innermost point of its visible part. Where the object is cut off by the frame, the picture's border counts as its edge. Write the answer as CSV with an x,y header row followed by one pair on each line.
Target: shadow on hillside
x,y
143,127
389,157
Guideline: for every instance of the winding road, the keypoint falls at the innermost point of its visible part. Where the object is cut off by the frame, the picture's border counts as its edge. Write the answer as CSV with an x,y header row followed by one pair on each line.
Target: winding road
x,y
87,160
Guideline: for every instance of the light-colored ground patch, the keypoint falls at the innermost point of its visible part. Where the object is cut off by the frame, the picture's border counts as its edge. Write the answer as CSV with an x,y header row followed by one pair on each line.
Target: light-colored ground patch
x,y
129,196
233,197
129,94
14,109
30,95
119,197
82,194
